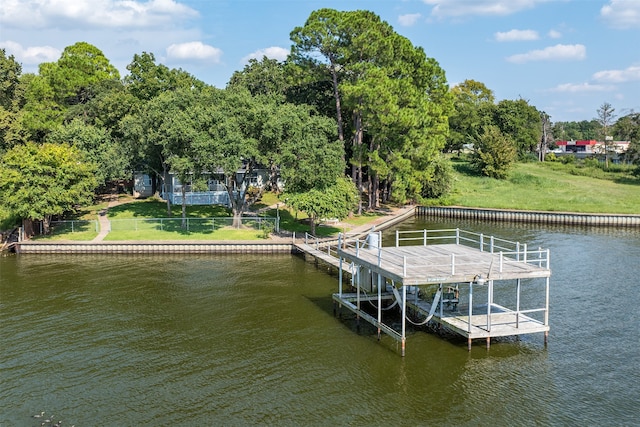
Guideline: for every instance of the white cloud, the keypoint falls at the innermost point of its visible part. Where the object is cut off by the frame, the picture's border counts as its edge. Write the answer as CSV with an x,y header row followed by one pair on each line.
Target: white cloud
x,y
581,88
67,14
273,52
32,55
409,19
554,34
559,52
447,8
630,74
622,13
196,51
516,35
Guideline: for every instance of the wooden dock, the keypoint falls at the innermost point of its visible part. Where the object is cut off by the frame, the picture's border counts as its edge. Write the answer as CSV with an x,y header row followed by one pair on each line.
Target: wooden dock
x,y
449,262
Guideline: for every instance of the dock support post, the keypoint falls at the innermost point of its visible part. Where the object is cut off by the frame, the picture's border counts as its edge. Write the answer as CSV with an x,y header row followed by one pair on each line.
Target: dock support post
x,y
469,344
404,316
546,338
488,342
470,308
379,304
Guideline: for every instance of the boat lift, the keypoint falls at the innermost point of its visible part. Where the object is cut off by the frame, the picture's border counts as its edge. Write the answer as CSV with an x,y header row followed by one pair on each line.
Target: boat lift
x,y
459,263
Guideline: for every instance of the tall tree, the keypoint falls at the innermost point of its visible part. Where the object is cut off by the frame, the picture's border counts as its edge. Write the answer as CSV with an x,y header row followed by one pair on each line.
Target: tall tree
x,y
139,126
321,47
109,156
606,117
264,77
627,128
72,80
397,97
472,102
10,100
547,136
521,122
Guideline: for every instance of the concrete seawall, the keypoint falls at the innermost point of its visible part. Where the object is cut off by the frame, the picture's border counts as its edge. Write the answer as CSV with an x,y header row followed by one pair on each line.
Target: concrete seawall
x,y
153,247
533,217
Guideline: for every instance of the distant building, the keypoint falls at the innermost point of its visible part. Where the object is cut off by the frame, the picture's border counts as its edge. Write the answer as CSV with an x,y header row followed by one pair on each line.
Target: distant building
x,y
591,147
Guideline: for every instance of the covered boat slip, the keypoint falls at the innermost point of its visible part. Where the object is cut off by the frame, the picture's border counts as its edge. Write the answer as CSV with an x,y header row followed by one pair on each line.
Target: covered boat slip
x,y
454,278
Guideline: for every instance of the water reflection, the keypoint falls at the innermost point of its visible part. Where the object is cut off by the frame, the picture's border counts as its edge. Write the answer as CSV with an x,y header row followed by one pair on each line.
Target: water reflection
x,y
252,340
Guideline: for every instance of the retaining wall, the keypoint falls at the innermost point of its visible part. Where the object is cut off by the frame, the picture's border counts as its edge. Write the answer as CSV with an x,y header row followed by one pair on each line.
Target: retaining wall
x,y
151,247
534,217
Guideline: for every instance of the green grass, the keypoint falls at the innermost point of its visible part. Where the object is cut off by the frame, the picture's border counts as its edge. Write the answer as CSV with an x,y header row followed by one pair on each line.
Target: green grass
x,y
68,235
153,208
219,234
549,186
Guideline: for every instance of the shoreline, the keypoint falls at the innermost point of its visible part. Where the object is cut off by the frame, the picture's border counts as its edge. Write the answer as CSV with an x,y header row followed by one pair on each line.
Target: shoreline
x,y
287,244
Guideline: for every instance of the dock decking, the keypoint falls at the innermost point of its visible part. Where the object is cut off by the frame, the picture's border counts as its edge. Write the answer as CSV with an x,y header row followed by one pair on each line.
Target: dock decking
x,y
453,261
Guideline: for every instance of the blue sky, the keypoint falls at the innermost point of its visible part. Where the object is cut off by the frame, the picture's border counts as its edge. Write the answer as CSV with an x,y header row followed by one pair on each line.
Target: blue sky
x,y
567,57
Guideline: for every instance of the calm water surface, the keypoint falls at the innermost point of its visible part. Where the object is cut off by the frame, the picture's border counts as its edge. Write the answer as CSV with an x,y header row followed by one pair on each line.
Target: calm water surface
x,y
251,340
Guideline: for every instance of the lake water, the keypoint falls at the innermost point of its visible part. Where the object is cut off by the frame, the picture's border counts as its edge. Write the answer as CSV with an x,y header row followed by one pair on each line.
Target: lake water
x,y
194,340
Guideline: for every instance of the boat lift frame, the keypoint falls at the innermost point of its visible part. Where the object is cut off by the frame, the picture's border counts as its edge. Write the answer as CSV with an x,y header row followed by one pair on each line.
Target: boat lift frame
x,y
423,258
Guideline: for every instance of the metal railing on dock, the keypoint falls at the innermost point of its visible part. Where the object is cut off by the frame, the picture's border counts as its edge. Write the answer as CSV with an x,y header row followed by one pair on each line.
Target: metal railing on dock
x,y
507,252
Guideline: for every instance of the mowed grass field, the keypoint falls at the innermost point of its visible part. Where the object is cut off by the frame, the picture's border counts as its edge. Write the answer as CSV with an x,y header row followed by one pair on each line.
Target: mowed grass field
x,y
548,186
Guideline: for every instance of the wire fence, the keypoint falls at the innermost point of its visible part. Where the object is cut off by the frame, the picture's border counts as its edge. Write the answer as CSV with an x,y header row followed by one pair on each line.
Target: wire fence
x,y
193,224
71,226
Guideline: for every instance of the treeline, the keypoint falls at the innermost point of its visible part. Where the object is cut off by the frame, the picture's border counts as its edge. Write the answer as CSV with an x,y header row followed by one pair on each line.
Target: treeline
x,y
355,117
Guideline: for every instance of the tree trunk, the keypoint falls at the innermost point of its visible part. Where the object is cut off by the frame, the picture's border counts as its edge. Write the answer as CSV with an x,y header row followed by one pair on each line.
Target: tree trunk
x,y
184,206
336,95
357,145
235,200
164,188
312,225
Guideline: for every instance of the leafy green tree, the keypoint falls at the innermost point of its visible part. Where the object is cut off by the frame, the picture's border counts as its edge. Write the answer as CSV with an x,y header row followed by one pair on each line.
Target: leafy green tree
x,y
335,201
10,101
321,47
265,77
397,97
146,79
10,71
494,153
521,122
40,181
165,131
627,128
472,103
79,70
70,81
97,146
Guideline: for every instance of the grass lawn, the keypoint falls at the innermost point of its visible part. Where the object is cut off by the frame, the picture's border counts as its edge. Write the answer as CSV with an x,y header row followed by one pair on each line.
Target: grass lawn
x,y
226,233
549,186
